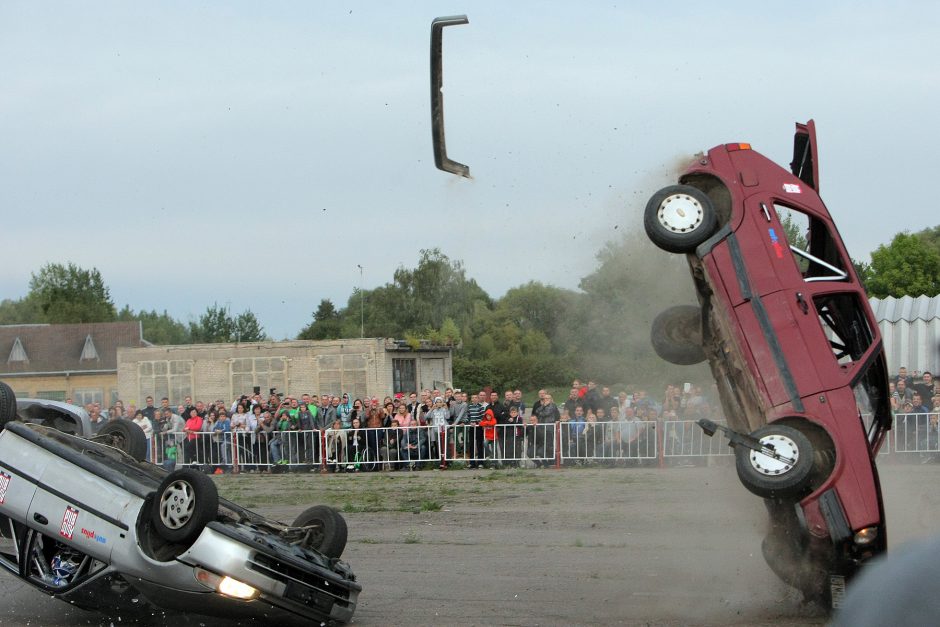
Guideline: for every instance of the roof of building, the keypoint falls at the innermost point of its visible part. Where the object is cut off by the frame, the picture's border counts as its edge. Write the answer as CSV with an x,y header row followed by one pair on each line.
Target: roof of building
x,y
53,348
906,308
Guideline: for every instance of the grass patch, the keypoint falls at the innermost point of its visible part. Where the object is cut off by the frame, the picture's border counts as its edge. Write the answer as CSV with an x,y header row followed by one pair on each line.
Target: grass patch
x,y
411,537
577,542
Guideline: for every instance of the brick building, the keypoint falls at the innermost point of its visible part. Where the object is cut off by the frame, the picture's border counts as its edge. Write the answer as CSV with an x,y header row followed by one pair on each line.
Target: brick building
x,y
373,366
66,361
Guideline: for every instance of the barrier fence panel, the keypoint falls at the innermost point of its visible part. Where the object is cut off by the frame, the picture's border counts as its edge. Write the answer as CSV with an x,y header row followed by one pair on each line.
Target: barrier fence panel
x,y
608,440
510,444
916,433
684,438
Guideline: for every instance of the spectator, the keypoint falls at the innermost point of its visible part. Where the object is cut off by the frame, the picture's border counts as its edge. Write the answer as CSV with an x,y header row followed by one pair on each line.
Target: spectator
x,y
438,418
389,447
267,431
605,402
573,401
305,438
518,402
488,423
147,427
925,387
149,411
513,436
192,428
903,376
537,442
903,393
222,439
97,420
474,432
547,412
344,408
356,446
208,451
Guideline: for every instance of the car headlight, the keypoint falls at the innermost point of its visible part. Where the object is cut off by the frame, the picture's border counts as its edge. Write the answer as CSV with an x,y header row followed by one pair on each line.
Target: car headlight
x,y
226,585
866,535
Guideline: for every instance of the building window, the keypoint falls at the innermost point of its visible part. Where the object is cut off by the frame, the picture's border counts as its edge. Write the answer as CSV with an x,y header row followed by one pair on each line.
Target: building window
x,y
404,378
261,372
54,395
85,396
173,379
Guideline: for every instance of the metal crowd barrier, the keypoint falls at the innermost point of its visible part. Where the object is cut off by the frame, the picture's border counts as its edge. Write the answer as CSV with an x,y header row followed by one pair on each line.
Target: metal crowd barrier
x,y
510,444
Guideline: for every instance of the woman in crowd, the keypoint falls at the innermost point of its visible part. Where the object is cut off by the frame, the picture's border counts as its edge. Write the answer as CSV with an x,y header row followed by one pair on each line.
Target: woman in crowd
x,y
356,446
208,447
335,446
147,427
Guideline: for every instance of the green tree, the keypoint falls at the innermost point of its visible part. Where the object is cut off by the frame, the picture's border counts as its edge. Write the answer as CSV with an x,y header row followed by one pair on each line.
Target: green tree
x,y
69,294
908,266
21,311
218,325
158,328
248,328
326,324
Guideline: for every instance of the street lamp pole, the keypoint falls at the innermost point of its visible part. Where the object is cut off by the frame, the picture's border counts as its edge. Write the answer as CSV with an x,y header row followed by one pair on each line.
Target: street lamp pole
x,y
362,311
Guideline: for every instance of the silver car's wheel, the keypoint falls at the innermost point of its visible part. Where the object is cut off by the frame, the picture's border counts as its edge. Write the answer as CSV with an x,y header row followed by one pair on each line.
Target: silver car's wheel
x,y
185,503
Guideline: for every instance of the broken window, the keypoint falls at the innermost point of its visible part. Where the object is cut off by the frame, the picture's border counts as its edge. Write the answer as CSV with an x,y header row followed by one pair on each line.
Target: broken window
x,y
845,325
814,250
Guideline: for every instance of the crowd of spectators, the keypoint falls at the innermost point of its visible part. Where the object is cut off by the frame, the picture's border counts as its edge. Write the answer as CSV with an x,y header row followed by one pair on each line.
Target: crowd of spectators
x,y
398,431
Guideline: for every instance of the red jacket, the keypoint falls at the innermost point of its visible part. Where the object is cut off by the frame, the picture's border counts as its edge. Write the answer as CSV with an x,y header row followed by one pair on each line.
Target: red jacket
x,y
489,425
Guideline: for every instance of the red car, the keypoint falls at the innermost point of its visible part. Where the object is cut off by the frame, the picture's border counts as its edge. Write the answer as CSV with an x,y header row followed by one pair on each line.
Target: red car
x,y
786,327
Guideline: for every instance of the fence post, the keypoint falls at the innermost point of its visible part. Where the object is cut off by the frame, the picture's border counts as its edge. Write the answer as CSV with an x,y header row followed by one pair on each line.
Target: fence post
x,y
321,442
558,445
233,439
441,444
661,442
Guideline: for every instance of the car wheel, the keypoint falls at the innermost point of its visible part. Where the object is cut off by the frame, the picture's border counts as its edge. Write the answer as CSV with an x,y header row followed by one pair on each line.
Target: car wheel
x,y
679,217
768,477
184,504
327,529
676,335
7,404
127,436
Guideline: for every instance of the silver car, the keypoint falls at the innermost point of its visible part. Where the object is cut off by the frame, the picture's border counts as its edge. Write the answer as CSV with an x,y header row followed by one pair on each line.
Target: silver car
x,y
88,523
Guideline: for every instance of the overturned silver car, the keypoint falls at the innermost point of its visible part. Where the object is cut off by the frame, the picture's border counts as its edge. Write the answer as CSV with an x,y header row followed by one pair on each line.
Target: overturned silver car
x,y
86,522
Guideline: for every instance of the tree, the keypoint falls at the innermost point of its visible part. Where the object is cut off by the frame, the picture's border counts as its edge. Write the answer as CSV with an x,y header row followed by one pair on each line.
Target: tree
x,y
22,311
69,294
158,328
326,324
217,325
248,328
908,266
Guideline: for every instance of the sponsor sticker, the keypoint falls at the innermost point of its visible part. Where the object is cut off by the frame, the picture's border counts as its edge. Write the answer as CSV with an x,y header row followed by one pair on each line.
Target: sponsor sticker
x,y
792,188
775,242
91,535
67,530
4,484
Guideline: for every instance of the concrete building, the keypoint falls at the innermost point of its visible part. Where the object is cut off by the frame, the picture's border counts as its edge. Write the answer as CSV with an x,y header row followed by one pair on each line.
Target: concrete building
x,y
370,366
66,361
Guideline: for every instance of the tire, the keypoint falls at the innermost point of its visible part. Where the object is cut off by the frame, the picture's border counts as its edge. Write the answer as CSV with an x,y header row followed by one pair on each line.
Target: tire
x,y
680,217
774,479
676,335
126,436
329,532
185,502
7,404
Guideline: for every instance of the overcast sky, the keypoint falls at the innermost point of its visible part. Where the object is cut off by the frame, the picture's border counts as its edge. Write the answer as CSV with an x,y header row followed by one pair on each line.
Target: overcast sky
x,y
253,154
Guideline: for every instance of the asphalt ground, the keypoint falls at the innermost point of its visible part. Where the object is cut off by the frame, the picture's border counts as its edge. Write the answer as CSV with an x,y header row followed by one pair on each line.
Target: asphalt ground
x,y
632,546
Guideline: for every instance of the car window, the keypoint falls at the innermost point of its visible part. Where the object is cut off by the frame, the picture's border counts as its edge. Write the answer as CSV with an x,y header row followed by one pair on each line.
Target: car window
x,y
871,396
814,250
845,325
